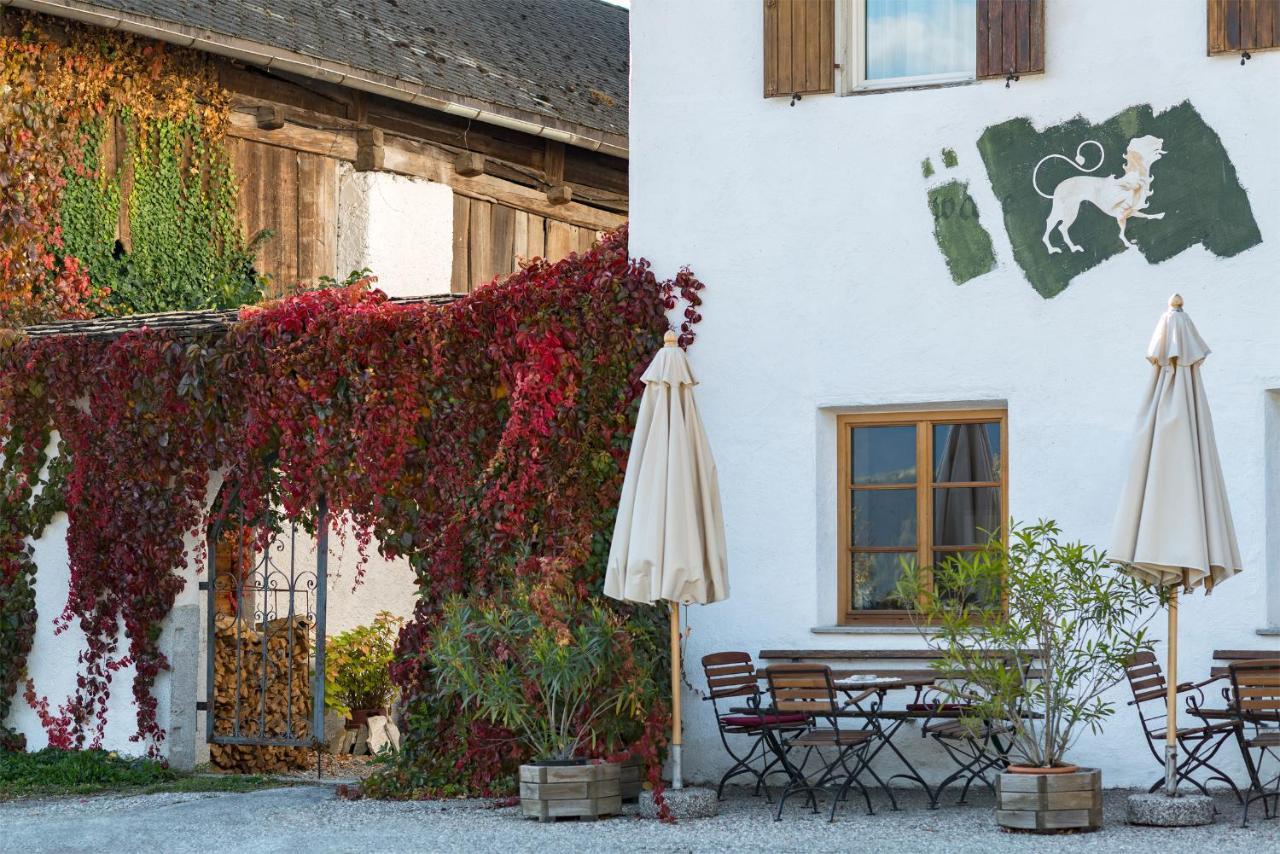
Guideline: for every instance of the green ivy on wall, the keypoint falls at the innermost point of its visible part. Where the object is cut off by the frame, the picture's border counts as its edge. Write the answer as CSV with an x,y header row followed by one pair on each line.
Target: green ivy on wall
x,y
185,248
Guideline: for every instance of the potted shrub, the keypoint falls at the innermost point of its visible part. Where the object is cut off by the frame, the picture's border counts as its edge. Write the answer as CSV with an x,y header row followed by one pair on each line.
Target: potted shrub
x,y
357,670
551,670
1032,636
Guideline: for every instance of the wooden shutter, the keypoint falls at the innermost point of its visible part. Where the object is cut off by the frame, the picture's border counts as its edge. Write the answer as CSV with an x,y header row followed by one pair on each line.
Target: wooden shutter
x,y
799,47
1240,25
1010,37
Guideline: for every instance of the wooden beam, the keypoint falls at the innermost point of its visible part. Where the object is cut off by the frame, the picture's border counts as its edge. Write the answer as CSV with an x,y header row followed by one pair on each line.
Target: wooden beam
x,y
553,162
468,164
370,152
421,160
270,117
560,194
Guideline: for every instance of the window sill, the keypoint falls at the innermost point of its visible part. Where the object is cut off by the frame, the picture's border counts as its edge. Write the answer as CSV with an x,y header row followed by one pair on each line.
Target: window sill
x,y
919,87
870,630
1269,632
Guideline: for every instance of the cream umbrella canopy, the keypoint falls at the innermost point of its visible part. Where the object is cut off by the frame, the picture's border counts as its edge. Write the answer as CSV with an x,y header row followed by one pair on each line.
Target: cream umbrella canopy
x,y
1173,528
668,540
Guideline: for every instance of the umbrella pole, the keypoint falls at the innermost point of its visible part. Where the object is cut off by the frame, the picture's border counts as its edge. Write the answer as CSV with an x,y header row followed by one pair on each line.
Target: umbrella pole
x,y
1171,699
677,774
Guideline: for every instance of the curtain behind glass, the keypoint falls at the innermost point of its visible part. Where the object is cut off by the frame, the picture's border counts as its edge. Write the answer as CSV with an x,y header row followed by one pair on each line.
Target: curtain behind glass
x,y
915,38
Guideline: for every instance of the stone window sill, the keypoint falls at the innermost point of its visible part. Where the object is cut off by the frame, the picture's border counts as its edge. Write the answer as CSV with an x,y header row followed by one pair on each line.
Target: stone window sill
x,y
869,630
1270,631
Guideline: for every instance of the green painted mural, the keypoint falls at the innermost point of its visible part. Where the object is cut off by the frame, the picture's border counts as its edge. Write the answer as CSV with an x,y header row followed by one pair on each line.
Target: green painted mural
x,y
964,242
1077,193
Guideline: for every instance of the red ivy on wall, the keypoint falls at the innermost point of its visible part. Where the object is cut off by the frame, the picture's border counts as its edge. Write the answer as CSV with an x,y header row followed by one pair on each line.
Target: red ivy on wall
x,y
484,440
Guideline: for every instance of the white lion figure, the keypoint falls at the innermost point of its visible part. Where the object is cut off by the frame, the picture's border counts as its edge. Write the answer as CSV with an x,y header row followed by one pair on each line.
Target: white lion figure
x,y
1122,196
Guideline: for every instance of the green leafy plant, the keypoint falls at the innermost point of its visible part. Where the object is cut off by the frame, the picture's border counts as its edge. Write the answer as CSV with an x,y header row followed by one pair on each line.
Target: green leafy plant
x,y
1070,622
547,667
357,666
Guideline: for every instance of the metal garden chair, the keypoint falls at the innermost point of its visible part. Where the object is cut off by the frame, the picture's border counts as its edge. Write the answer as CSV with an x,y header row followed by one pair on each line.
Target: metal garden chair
x,y
1255,689
1197,744
808,689
744,730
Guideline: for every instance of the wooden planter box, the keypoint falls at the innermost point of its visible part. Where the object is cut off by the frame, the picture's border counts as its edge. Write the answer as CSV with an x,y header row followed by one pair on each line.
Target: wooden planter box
x,y
1050,803
632,780
585,792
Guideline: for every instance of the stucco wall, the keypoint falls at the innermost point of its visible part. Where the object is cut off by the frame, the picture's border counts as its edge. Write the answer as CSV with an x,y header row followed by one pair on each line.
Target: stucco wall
x,y
400,228
827,292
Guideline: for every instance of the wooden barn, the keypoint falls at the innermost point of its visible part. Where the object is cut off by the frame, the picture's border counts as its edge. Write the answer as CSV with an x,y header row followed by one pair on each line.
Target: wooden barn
x,y
433,143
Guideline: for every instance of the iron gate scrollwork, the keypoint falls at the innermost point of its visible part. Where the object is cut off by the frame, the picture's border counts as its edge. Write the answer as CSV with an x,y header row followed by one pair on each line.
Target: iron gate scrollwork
x,y
266,635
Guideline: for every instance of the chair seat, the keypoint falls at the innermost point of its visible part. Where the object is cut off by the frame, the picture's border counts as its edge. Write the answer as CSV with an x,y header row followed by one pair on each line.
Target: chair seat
x,y
829,737
959,730
1264,739
938,707
763,720
1197,731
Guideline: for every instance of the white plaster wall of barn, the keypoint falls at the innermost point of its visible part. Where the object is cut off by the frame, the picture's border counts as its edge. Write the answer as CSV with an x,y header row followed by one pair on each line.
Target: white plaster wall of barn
x,y
398,227
826,291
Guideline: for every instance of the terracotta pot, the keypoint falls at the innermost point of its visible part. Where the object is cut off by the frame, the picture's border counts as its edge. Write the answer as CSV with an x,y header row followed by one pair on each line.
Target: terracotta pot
x,y
1038,769
360,717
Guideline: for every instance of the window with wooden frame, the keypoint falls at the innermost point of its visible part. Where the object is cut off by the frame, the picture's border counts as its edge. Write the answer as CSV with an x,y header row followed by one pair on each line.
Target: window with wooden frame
x,y
889,44
919,488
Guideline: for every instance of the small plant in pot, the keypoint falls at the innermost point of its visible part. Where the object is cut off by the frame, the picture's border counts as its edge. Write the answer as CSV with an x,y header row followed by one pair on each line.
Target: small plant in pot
x,y
1031,637
550,670
357,670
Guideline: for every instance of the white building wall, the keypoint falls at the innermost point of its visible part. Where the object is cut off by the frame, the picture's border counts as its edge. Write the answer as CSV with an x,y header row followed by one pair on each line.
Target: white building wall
x,y
399,228
826,292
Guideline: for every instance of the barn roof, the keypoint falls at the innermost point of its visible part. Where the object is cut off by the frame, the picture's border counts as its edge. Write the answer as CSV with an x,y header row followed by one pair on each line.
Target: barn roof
x,y
180,323
558,64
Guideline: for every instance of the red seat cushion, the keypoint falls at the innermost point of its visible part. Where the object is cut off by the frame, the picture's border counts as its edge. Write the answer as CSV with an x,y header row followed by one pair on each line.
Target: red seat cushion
x,y
763,720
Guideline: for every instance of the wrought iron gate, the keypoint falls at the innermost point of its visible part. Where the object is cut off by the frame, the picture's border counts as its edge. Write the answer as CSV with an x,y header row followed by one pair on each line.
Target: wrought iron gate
x,y
266,628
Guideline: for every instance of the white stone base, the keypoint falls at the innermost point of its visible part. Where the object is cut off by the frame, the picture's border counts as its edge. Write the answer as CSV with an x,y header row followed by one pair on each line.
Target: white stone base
x,y
686,803
1160,810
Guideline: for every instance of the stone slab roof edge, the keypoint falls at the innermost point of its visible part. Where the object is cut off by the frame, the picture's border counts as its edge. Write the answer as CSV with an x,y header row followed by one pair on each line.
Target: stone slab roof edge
x,y
271,57
181,323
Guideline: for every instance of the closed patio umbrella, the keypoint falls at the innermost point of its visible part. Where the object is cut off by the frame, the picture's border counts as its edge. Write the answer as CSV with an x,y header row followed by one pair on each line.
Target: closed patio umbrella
x,y
668,540
1173,528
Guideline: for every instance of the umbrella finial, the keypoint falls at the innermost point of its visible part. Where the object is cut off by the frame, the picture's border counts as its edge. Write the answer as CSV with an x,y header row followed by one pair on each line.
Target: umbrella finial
x,y
670,339
1175,302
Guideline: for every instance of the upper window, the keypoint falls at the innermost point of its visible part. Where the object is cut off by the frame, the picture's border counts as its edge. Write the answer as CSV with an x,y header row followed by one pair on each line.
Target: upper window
x,y
919,488
913,42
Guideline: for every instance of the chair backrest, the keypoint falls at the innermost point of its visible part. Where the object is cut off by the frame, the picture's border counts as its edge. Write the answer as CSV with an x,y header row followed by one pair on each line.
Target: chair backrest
x,y
806,688
1146,680
730,674
1256,688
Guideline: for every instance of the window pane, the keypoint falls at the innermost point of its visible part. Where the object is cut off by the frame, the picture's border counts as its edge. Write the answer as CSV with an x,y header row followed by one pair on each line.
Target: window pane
x,y
966,452
914,38
984,593
875,580
884,454
966,516
884,517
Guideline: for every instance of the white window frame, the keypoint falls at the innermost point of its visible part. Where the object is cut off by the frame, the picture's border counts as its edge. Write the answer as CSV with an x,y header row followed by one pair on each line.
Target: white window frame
x,y
851,27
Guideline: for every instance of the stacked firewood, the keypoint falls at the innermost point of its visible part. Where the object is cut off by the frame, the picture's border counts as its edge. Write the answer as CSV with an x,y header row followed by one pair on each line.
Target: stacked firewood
x,y
240,663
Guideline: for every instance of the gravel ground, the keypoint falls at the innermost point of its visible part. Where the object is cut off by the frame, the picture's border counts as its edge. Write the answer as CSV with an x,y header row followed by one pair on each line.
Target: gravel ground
x,y
312,819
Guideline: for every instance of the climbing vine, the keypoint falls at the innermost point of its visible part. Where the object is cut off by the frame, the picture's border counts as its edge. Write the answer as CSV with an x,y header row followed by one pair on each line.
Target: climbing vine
x,y
105,136
484,441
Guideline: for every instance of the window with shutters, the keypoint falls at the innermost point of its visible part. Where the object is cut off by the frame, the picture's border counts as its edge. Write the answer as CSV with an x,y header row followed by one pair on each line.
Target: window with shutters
x,y
887,44
896,43
917,488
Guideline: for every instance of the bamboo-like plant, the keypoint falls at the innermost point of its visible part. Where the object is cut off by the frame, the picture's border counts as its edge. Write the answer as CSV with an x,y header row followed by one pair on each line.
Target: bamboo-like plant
x,y
1031,635
554,672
